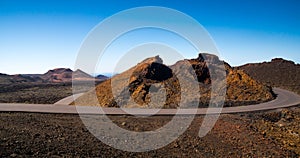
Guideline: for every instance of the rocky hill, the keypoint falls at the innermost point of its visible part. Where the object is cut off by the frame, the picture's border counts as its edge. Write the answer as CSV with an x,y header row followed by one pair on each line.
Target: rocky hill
x,y
66,75
58,75
151,77
276,73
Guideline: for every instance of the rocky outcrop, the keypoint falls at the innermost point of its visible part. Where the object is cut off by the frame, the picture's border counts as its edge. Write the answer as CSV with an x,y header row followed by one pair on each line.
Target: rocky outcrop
x,y
151,84
137,83
242,89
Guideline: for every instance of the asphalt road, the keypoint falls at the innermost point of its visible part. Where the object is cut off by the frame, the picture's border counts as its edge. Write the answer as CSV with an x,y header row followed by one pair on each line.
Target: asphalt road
x,y
284,99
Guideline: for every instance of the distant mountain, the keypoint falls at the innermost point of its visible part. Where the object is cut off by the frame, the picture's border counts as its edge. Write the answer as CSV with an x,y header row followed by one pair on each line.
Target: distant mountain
x,y
102,77
58,75
153,74
277,73
67,75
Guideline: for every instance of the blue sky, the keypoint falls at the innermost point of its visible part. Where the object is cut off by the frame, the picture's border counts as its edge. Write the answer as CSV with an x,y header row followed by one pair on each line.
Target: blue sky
x,y
39,35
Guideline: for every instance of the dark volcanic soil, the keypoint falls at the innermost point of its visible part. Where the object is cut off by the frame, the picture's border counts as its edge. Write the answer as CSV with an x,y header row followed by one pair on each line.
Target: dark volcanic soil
x,y
37,93
235,135
277,73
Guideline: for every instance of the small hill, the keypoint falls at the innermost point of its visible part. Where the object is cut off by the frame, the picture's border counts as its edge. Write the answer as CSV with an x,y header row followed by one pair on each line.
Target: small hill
x,y
79,75
58,75
102,77
152,78
67,75
276,73
9,79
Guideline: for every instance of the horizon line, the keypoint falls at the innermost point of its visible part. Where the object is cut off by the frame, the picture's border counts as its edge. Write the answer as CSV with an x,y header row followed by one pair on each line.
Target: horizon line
x,y
114,73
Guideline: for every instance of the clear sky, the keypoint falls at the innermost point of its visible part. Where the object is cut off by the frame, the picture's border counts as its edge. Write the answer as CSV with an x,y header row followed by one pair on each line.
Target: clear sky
x,y
36,36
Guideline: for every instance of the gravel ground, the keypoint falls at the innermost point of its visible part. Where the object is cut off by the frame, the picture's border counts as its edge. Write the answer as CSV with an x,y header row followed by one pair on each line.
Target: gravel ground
x,y
64,135
37,93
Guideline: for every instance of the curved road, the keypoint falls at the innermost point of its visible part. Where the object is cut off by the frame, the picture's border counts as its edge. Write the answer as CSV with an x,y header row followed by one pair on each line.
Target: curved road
x,y
284,99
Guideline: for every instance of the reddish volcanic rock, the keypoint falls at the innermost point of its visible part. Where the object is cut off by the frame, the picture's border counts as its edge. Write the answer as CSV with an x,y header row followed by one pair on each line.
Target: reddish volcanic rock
x,y
67,75
151,84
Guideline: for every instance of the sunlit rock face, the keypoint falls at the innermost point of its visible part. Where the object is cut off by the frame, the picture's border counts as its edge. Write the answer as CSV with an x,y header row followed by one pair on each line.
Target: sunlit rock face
x,y
151,84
